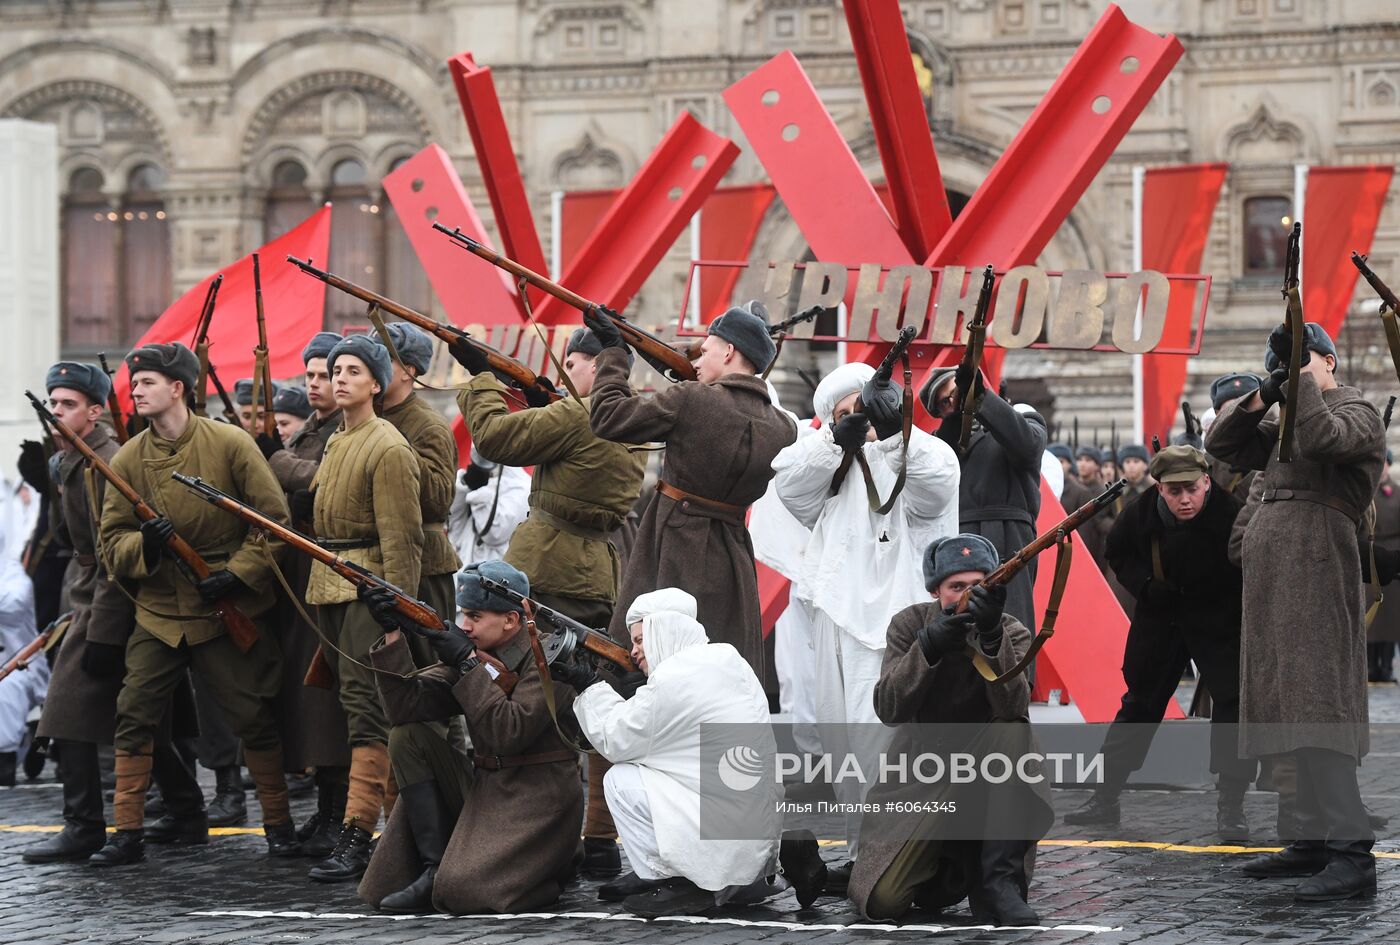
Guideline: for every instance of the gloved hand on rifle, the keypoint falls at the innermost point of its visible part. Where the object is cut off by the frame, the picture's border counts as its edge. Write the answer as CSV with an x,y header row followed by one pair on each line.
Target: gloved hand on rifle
x,y
474,477
270,443
947,634
470,357
599,318
220,584
849,432
629,683
986,604
34,465
1387,562
580,673
884,405
103,660
539,396
155,533
975,385
1281,344
303,505
1271,391
451,644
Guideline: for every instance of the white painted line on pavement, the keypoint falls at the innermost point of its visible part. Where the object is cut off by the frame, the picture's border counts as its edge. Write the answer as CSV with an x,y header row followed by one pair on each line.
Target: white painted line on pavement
x,y
690,919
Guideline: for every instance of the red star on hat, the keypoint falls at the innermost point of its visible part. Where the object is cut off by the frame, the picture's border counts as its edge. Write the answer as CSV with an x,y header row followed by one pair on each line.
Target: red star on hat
x,y
966,551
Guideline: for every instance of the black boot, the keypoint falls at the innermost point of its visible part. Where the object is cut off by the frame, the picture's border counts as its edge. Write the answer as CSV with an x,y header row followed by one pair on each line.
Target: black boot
x,y
600,857
628,884
1231,825
230,807
427,821
282,839
1101,808
1002,893
838,877
673,897
185,823
1299,858
84,827
801,861
348,860
1351,867
319,833
8,760
123,848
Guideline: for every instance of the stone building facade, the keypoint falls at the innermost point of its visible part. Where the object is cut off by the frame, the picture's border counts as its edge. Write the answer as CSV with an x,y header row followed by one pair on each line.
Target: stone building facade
x,y
192,130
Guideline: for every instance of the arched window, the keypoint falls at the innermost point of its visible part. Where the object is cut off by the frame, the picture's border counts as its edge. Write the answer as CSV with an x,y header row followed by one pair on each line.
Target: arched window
x,y
146,273
288,201
355,241
1266,226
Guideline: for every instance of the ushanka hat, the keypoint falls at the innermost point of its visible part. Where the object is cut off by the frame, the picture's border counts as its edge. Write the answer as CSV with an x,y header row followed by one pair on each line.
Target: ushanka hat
x,y
746,328
471,595
948,556
173,360
87,379
374,355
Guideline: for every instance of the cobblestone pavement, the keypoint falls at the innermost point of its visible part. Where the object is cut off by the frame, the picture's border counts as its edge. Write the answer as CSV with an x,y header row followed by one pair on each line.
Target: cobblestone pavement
x,y
1156,879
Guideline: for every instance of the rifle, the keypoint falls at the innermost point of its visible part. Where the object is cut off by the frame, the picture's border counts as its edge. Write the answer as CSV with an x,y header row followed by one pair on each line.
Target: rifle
x,y
262,370
972,358
1389,410
230,411
883,375
673,364
1156,444
114,406
509,370
1296,328
1058,536
569,634
775,331
201,346
240,629
1390,305
35,646
1192,425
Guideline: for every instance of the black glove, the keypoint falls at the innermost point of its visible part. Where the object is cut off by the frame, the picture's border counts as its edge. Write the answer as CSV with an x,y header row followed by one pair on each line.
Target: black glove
x,y
1281,344
270,443
1271,391
34,465
470,357
103,660
219,584
986,605
451,644
946,634
1159,594
883,404
961,381
599,318
849,432
155,533
579,673
474,477
538,396
303,505
1387,562
381,607
629,683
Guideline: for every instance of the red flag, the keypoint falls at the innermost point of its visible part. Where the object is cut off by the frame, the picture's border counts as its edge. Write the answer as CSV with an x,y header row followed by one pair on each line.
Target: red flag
x,y
1340,213
1177,204
294,304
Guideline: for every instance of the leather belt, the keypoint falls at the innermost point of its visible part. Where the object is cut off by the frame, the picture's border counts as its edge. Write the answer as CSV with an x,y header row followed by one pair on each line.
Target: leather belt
x,y
86,561
568,527
346,544
687,499
497,762
434,526
996,513
1306,495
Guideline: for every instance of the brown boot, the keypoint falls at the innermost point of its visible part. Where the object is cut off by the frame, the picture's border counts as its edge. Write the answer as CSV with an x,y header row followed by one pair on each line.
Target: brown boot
x,y
369,776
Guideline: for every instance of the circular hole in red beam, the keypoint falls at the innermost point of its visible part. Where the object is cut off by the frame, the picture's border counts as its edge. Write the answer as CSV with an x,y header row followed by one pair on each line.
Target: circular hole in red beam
x,y
790,132
698,161
431,213
1101,105
674,193
770,98
1130,64
417,184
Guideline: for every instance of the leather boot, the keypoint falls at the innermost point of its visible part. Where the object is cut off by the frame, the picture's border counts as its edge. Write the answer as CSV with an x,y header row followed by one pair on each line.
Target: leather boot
x,y
185,821
601,857
1002,899
123,848
1231,825
628,884
319,833
84,827
801,862
265,766
348,860
230,807
428,823
282,839
1101,808
1299,858
1351,867
8,761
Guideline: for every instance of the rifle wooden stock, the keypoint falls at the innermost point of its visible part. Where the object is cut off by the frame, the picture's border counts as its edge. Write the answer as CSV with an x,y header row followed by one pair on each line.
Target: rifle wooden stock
x,y
31,649
1296,327
201,346
262,372
646,344
508,369
241,630
598,644
114,406
972,357
1390,306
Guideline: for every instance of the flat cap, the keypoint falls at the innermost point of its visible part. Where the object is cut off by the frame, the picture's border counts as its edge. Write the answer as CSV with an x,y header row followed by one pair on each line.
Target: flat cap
x,y
1178,464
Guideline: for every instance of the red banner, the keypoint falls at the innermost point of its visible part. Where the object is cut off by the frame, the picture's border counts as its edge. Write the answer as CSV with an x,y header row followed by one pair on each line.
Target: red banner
x,y
1177,204
294,304
1340,212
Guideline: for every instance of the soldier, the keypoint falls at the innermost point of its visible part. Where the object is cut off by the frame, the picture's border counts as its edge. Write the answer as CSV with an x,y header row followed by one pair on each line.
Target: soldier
x,y
290,410
250,417
1170,548
581,492
79,713
1385,628
1088,465
314,725
175,631
1303,686
1224,389
722,434
367,508
496,831
999,495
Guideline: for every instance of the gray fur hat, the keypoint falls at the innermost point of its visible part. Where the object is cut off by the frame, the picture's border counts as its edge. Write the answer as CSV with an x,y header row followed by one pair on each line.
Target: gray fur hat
x,y
948,556
173,360
413,343
243,391
320,345
472,596
372,353
87,379
746,328
1316,339
292,400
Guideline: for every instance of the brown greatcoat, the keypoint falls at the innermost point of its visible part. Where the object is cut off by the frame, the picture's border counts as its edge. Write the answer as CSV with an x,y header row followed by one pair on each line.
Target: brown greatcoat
x,y
1386,627
81,707
919,697
312,720
430,435
513,846
720,442
1303,645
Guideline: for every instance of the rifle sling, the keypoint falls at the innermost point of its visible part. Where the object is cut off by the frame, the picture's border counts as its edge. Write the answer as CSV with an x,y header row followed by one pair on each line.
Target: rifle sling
x,y
521,286
1063,551
546,680
872,494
